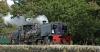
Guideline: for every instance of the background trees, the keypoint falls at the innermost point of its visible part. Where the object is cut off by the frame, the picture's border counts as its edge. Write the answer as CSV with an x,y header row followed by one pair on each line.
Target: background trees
x,y
83,21
4,9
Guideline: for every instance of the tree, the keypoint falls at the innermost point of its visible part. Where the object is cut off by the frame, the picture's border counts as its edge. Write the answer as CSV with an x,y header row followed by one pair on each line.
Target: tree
x,y
97,1
75,13
3,8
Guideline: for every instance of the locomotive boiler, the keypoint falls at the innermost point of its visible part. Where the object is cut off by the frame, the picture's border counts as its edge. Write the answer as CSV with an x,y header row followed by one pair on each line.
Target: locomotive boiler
x,y
48,33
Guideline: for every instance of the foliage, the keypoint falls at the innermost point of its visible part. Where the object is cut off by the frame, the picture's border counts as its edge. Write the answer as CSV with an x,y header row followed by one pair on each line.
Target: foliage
x,y
3,8
3,11
5,29
97,1
82,20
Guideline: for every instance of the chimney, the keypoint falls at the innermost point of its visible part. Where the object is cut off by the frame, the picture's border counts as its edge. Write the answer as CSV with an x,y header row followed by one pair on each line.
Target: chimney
x,y
44,22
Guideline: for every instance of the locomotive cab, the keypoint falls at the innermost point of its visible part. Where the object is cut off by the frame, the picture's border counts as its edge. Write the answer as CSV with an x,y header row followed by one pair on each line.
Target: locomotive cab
x,y
59,33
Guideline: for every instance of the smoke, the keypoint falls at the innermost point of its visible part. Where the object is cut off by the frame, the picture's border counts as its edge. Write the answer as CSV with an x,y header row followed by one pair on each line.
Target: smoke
x,y
20,20
39,19
10,2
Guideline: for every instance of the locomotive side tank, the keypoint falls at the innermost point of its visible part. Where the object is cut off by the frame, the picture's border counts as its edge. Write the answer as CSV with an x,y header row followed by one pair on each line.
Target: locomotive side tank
x,y
46,29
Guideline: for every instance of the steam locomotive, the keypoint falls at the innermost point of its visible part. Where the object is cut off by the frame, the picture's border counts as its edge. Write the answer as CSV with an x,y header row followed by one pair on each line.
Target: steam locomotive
x,y
48,33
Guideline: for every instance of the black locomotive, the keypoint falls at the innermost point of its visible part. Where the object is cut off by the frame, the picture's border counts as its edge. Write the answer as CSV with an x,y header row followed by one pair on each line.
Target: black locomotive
x,y
48,33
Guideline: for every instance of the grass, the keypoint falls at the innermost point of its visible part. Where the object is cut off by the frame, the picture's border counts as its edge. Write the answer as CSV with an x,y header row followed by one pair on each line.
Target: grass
x,y
49,48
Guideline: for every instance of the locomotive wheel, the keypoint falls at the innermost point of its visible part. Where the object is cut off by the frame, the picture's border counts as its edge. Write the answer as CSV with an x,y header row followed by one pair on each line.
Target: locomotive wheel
x,y
13,42
66,42
52,42
46,41
38,42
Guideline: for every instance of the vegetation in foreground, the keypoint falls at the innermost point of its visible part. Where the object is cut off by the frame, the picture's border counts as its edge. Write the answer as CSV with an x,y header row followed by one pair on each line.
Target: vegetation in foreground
x,y
50,48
